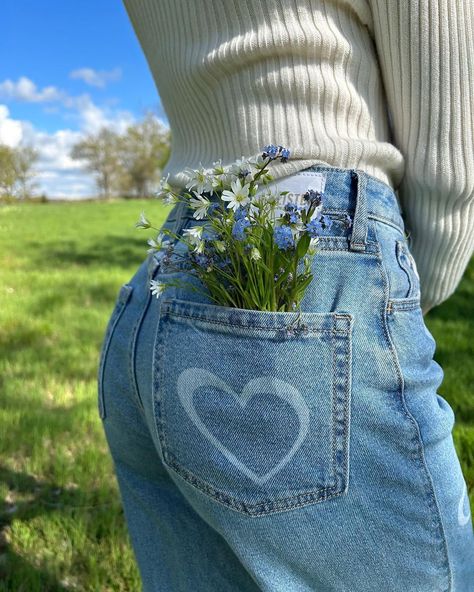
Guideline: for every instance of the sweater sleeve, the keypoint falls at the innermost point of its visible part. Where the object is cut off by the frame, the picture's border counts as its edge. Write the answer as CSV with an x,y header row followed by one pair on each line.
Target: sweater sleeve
x,y
426,56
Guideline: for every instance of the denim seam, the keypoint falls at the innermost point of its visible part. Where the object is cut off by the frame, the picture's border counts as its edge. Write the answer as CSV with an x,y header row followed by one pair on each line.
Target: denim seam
x,y
119,307
387,221
267,507
421,461
159,345
333,415
418,455
132,356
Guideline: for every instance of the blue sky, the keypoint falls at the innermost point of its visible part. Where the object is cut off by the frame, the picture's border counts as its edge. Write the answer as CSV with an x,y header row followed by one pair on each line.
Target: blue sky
x,y
66,68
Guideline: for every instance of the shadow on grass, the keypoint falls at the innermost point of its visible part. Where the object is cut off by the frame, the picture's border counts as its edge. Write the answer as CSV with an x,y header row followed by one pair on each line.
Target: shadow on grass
x,y
101,294
40,497
112,251
30,350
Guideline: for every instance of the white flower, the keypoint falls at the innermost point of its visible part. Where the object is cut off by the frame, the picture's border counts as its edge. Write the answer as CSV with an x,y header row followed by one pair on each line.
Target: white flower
x,y
313,243
258,161
218,168
241,166
158,243
219,183
220,245
157,288
171,199
200,204
317,212
199,248
201,179
165,191
255,254
194,235
270,196
143,222
226,178
238,196
299,227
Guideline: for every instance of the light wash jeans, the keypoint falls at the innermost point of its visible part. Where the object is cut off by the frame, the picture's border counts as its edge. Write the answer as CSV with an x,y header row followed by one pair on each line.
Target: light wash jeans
x,y
249,460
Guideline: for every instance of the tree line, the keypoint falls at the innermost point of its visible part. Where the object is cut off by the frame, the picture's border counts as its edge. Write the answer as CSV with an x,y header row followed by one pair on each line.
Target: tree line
x,y
128,164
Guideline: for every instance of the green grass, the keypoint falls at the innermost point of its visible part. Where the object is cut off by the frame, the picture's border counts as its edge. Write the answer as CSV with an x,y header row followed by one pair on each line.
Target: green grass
x,y
61,524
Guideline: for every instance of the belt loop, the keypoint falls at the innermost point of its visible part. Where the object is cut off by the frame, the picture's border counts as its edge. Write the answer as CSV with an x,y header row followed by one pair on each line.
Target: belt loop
x,y
358,240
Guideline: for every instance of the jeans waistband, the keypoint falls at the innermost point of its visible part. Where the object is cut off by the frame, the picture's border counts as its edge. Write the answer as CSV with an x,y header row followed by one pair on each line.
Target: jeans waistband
x,y
350,191
346,191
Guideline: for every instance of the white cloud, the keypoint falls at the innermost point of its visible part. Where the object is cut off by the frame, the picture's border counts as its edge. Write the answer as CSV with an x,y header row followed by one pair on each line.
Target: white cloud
x,y
95,77
80,108
58,174
91,118
11,131
26,91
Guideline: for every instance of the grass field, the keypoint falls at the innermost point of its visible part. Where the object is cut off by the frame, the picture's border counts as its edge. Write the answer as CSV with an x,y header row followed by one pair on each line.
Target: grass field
x,y
61,523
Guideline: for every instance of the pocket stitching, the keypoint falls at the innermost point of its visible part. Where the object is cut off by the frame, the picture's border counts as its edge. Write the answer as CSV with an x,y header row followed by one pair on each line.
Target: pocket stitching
x,y
168,308
340,413
343,405
248,327
402,304
400,253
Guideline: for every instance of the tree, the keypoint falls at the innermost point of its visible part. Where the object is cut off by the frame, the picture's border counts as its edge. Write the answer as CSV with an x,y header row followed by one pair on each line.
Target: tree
x,y
16,170
24,159
144,150
100,152
7,171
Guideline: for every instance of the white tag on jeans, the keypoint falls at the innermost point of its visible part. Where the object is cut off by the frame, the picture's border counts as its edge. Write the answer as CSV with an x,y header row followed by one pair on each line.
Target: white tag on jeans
x,y
297,184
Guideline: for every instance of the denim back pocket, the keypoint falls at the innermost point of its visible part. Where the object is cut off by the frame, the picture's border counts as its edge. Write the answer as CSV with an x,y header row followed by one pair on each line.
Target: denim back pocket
x,y
120,303
254,419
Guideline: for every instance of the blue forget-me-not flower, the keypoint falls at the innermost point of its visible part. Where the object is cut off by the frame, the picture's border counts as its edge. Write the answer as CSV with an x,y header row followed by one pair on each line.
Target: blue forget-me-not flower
x,y
283,237
238,229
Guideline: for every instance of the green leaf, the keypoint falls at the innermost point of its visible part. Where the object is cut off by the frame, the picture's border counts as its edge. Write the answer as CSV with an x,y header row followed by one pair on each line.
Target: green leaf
x,y
303,245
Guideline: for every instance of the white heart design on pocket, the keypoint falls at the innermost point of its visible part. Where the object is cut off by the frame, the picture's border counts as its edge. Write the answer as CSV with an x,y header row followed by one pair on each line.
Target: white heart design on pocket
x,y
191,379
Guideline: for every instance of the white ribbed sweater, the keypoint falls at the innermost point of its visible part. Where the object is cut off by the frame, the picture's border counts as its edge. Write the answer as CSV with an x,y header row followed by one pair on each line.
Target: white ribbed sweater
x,y
386,86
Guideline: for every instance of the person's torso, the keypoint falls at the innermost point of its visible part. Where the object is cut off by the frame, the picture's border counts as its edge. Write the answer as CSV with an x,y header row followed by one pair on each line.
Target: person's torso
x,y
236,76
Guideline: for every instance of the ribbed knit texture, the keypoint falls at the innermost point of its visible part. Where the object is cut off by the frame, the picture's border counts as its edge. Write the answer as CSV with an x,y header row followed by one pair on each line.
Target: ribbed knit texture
x,y
386,86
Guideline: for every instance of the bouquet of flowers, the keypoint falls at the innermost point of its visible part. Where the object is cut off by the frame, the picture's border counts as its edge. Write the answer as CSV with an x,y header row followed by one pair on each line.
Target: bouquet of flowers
x,y
251,251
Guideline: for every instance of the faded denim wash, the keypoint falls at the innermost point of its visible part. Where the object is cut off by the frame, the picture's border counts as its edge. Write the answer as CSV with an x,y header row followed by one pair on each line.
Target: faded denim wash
x,y
320,462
